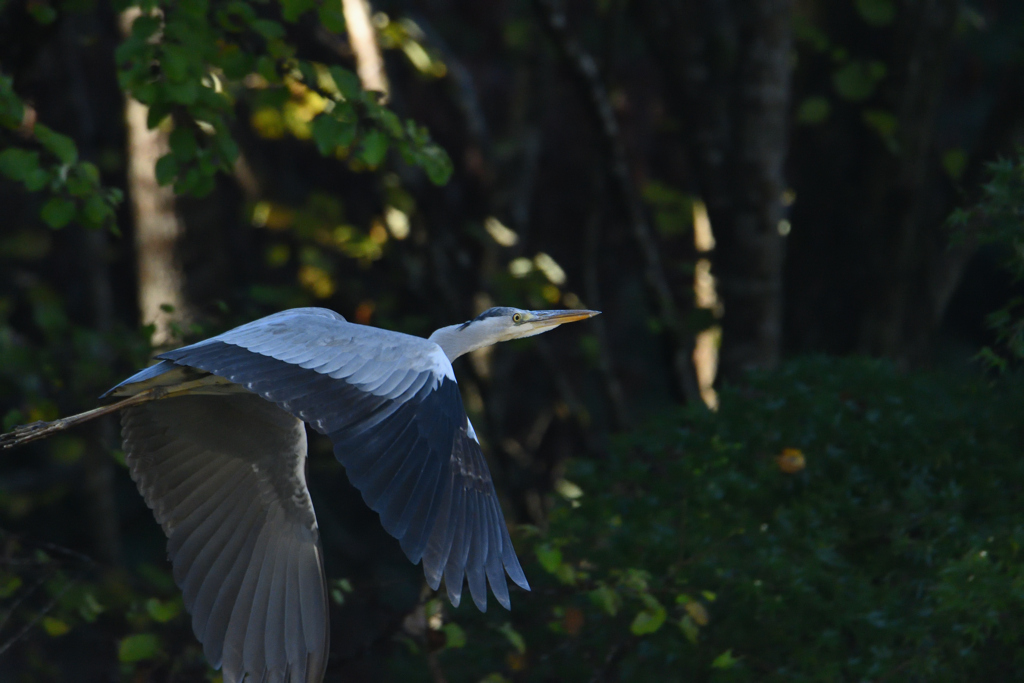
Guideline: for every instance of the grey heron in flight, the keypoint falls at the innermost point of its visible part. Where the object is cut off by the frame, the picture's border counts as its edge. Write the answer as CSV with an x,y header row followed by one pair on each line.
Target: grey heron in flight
x,y
214,439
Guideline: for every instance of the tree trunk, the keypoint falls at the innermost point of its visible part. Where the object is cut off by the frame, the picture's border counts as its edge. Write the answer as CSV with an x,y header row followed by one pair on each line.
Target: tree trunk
x,y
727,70
901,314
157,227
363,37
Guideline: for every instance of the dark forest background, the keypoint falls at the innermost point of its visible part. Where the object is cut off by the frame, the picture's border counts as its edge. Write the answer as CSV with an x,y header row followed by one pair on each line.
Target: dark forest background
x,y
789,449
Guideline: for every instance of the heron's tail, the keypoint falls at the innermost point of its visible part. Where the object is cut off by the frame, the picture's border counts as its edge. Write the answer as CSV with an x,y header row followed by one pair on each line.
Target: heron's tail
x,y
40,430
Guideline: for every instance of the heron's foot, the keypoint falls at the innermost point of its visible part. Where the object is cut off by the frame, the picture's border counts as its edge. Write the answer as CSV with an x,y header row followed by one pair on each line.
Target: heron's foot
x,y
30,432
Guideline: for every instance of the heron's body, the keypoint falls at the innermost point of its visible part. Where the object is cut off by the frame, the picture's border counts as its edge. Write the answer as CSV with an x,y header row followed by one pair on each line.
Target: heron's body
x,y
214,438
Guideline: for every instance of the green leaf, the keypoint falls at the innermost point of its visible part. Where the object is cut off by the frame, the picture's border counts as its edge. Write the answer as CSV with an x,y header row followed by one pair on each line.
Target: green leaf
x,y
856,81
183,92
454,636
42,12
326,132
157,113
954,161
89,608
549,557
884,123
166,169
163,611
236,16
55,627
18,164
12,111
267,67
235,62
331,17
375,147
689,629
309,74
176,63
96,211
183,143
390,121
877,12
138,647
10,582
57,212
204,185
226,147
291,10
347,83
37,179
437,164
648,620
813,110
268,29
724,661
144,26
606,599
514,637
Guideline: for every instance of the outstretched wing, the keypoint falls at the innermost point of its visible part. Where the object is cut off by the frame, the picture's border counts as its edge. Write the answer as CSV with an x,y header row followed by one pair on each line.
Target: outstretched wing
x,y
225,478
392,409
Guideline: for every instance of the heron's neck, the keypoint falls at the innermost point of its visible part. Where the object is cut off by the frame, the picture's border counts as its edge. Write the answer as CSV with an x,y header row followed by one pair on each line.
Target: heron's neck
x,y
456,342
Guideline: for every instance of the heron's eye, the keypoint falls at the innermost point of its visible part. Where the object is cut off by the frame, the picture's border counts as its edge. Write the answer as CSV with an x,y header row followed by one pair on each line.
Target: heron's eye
x,y
517,317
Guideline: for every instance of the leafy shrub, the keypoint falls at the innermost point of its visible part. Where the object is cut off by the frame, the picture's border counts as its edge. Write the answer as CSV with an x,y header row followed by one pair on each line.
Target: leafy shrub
x,y
998,219
835,521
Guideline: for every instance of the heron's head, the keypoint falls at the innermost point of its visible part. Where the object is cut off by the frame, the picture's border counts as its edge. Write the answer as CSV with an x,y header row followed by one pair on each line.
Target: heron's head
x,y
502,324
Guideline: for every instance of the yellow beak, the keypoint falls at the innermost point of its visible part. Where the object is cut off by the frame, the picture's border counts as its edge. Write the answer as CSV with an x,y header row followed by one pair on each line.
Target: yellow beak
x,y
552,318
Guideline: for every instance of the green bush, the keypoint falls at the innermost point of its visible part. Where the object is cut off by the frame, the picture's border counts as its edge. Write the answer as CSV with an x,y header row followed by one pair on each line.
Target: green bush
x,y
701,551
998,219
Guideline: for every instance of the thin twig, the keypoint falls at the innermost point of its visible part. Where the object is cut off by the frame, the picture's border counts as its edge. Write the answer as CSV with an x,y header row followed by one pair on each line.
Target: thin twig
x,y
36,619
20,599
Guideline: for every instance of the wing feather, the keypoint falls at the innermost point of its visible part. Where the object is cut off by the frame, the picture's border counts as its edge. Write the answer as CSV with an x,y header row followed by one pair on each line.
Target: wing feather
x,y
224,475
493,563
475,575
455,567
441,531
418,509
220,586
205,544
273,634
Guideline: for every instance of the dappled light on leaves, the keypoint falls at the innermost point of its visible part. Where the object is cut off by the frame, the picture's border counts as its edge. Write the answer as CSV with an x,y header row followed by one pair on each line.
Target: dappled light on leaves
x,y
407,36
705,294
791,460
500,232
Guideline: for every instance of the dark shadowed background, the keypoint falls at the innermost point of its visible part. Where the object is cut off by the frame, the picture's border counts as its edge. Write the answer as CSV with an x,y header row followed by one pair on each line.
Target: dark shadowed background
x,y
788,449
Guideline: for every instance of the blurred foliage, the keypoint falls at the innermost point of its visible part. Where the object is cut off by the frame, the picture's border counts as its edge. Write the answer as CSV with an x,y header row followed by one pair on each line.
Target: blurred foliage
x,y
52,164
998,219
836,520
62,611
698,551
190,61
